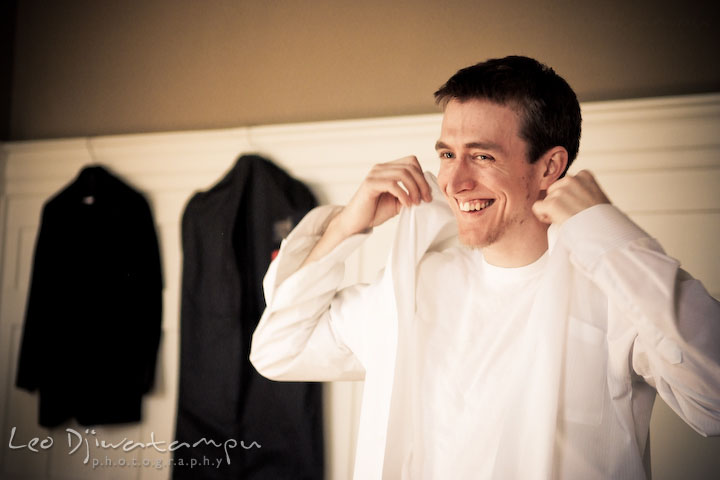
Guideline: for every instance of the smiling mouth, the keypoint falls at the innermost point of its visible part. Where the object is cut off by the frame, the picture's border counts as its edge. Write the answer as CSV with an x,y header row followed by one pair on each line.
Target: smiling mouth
x,y
475,205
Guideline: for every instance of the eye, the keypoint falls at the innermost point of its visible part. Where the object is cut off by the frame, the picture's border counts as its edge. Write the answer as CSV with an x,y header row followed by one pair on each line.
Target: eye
x,y
482,156
446,154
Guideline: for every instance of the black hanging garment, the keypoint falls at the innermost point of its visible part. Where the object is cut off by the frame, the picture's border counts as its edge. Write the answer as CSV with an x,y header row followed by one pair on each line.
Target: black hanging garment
x,y
229,234
93,318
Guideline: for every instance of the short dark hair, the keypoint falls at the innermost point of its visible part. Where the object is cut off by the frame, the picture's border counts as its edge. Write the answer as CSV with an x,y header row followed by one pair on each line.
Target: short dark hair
x,y
548,107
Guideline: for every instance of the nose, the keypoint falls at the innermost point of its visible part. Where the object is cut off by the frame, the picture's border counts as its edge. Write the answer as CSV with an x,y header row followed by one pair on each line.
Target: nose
x,y
459,177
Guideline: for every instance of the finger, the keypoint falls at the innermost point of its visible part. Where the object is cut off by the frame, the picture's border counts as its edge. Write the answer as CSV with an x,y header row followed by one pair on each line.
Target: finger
x,y
588,180
559,184
409,160
382,180
422,182
585,176
415,169
539,208
394,189
410,182
403,173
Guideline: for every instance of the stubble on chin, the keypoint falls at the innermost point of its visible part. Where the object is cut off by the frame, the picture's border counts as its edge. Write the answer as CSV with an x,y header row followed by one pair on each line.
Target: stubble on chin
x,y
476,241
480,240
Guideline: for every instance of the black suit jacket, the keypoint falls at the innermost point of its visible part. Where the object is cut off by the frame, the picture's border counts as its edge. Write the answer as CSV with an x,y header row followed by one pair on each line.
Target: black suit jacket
x,y
93,317
229,234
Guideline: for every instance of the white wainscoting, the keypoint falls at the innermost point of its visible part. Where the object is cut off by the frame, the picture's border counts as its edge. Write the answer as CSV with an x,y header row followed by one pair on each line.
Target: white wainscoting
x,y
658,159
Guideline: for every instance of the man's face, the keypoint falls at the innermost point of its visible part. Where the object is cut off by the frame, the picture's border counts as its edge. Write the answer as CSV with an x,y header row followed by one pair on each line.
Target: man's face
x,y
485,175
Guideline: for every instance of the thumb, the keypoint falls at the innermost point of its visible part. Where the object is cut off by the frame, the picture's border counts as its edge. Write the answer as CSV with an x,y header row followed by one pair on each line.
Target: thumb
x,y
541,211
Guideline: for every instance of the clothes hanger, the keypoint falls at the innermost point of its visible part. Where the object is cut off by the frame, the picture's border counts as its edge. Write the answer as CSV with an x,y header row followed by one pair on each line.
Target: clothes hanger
x,y
90,176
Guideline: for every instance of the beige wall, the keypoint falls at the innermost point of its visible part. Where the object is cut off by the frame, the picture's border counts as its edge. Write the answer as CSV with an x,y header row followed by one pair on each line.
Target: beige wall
x,y
105,67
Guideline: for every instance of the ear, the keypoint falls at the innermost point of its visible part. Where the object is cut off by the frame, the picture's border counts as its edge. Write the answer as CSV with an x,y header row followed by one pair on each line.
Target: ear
x,y
551,165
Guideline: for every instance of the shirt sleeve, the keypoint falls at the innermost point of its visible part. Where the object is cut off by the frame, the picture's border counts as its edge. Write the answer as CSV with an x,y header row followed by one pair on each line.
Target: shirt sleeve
x,y
299,336
677,323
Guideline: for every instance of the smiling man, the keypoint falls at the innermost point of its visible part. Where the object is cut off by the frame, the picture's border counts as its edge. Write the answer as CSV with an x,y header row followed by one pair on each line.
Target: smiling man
x,y
490,184
524,350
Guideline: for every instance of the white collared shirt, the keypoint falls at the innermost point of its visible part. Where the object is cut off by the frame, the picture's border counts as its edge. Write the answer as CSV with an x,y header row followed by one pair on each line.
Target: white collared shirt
x,y
566,394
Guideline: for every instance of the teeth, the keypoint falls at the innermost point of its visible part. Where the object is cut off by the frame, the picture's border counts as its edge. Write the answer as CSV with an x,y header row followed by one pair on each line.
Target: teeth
x,y
474,206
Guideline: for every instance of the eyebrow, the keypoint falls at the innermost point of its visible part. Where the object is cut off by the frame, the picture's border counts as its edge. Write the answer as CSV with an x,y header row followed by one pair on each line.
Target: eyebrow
x,y
481,145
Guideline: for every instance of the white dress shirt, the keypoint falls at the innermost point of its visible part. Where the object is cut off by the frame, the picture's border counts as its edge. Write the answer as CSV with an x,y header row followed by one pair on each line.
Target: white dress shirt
x,y
548,371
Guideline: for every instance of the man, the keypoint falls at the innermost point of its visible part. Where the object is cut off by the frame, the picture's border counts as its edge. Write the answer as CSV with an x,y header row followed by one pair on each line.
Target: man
x,y
525,352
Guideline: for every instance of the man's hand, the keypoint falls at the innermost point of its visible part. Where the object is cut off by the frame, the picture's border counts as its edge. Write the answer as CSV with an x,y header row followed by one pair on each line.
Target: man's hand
x,y
378,199
568,196
380,195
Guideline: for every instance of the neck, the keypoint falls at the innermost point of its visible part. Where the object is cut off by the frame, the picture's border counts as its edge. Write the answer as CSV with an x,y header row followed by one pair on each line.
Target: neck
x,y
518,251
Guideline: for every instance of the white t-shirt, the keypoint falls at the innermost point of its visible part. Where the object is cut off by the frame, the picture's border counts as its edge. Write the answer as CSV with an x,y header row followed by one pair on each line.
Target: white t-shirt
x,y
469,320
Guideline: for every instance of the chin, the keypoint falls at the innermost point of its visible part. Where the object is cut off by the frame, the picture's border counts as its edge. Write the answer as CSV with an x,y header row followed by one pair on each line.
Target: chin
x,y
476,240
